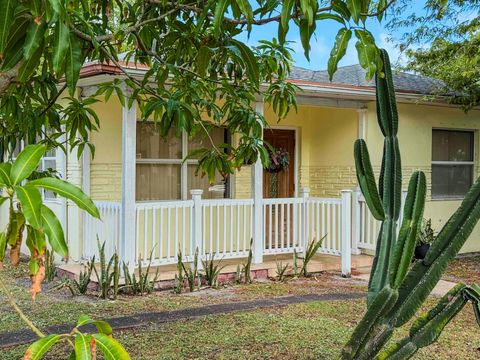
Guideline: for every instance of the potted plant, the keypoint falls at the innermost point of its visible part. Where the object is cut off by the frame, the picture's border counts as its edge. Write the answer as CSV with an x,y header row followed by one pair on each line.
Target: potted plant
x,y
279,160
424,239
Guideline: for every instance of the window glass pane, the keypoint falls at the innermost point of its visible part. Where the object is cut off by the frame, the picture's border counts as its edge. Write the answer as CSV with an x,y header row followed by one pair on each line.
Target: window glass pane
x,y
49,164
201,141
448,145
157,182
451,180
215,191
150,145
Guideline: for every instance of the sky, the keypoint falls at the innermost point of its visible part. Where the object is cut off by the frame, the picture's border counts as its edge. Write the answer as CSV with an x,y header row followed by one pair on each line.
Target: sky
x,y
323,40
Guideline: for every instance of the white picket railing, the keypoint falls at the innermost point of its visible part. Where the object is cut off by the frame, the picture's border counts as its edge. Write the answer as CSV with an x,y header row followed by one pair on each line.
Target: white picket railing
x,y
324,221
224,227
227,227
367,227
283,225
164,229
107,230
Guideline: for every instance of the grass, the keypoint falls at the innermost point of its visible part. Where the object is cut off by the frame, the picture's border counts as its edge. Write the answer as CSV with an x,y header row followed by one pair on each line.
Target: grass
x,y
315,330
465,269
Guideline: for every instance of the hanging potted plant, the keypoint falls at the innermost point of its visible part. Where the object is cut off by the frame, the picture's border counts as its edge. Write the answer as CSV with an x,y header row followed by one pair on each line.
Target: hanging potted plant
x,y
279,160
424,239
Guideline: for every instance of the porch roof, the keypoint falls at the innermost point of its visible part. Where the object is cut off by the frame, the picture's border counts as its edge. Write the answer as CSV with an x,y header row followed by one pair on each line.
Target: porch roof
x,y
348,82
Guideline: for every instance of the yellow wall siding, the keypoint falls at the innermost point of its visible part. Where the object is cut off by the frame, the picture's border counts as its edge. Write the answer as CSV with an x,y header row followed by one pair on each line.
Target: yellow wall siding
x,y
106,166
415,139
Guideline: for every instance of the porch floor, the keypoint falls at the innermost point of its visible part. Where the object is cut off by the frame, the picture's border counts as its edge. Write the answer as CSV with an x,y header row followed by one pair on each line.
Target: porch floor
x,y
321,262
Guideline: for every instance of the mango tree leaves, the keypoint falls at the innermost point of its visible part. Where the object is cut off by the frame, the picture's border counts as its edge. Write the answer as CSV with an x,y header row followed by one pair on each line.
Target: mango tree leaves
x,y
41,346
6,18
26,162
54,231
31,202
368,53
74,62
339,50
61,46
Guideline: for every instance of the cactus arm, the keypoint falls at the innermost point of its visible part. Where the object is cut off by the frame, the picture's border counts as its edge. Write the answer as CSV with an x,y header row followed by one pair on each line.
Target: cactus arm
x,y
423,276
366,180
429,326
392,175
387,113
379,273
412,216
381,305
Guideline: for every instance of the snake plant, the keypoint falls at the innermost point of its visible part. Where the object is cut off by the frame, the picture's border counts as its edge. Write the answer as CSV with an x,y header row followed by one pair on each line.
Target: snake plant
x,y
396,291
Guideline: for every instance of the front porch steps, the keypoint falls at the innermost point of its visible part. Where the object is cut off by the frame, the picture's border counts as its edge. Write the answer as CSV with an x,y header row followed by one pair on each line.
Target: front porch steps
x,y
361,264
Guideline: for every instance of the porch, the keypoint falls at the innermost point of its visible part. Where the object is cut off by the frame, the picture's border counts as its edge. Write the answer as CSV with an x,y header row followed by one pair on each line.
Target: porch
x,y
226,228
249,217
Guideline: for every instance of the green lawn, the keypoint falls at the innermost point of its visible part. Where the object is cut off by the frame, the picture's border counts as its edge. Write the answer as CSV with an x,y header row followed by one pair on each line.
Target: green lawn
x,y
303,331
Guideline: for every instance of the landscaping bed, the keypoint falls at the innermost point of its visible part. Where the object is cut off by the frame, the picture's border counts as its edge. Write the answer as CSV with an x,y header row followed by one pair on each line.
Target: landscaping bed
x,y
465,268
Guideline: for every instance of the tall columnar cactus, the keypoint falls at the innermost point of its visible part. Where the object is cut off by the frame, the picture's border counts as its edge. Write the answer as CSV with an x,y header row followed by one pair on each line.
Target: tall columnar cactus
x,y
396,291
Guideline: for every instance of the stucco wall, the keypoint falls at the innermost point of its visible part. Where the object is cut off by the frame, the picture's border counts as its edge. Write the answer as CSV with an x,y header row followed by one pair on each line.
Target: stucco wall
x,y
416,122
324,149
106,166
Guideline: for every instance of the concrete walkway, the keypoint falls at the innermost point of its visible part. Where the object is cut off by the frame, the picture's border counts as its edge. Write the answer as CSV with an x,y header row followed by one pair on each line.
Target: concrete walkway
x,y
439,290
26,336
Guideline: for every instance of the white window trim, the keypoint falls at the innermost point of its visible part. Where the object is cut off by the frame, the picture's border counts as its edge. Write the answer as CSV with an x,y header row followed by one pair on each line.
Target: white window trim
x,y
184,195
453,163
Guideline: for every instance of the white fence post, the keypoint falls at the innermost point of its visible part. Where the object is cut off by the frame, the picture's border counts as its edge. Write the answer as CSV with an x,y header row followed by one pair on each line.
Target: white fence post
x,y
197,224
346,240
258,215
356,226
304,194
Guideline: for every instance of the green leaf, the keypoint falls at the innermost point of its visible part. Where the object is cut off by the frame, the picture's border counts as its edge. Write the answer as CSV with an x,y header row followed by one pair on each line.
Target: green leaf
x,y
3,199
203,59
220,9
102,326
285,17
339,50
31,201
7,10
381,9
82,347
5,174
34,40
3,245
368,53
68,191
250,61
341,8
60,46
54,231
27,161
41,346
111,348
306,32
246,10
29,66
330,16
355,7
74,62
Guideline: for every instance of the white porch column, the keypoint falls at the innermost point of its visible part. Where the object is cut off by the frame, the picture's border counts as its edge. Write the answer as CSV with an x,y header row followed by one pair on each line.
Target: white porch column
x,y
362,123
356,226
198,225
128,221
304,194
346,233
257,193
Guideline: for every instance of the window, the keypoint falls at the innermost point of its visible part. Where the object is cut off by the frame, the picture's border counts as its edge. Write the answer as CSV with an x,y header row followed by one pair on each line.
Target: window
x,y
161,173
452,163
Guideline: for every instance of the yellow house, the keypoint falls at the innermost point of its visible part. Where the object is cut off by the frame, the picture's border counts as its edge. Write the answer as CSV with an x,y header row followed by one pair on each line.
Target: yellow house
x,y
152,201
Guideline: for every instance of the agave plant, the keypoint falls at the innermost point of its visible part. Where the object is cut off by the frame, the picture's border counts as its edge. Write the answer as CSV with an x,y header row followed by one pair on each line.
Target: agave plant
x,y
28,213
395,290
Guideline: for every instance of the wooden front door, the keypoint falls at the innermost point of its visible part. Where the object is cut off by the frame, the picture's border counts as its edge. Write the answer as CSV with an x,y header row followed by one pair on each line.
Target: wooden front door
x,y
280,184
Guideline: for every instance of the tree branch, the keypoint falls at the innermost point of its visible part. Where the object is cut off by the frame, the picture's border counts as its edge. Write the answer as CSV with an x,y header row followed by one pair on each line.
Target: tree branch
x,y
9,76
